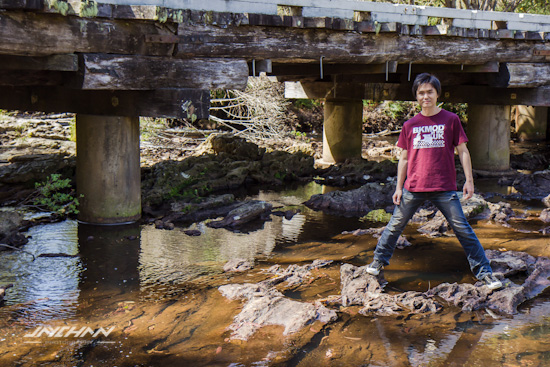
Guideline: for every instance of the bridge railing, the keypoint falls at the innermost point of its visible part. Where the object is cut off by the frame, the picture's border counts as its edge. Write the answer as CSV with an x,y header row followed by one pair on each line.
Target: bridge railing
x,y
374,11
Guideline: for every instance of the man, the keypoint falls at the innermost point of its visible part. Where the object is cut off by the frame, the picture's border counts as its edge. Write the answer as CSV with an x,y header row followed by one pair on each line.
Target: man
x,y
426,171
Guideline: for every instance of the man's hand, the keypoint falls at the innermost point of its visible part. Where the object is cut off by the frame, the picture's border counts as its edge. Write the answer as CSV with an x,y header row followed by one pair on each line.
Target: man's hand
x,y
468,190
397,196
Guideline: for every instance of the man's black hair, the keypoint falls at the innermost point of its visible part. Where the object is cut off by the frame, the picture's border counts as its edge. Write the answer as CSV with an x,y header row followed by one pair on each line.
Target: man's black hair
x,y
426,78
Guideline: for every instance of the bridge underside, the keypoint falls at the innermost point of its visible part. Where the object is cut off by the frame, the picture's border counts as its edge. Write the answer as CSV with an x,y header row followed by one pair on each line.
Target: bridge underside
x,y
128,61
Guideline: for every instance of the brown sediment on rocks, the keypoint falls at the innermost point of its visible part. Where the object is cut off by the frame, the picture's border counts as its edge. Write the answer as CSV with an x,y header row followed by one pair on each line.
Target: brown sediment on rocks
x,y
265,305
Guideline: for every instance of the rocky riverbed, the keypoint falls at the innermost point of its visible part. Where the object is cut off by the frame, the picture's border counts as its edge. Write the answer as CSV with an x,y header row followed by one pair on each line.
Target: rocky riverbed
x,y
300,302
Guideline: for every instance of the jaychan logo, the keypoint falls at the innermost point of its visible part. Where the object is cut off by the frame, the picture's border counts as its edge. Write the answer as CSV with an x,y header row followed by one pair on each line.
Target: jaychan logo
x,y
68,332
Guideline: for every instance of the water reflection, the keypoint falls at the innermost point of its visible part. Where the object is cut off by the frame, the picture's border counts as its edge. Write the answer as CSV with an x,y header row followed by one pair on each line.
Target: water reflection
x,y
48,286
110,258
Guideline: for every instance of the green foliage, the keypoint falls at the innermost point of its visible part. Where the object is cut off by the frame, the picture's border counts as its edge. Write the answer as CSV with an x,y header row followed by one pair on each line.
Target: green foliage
x,y
378,215
280,175
307,104
57,195
533,7
399,110
299,134
461,109
149,126
72,127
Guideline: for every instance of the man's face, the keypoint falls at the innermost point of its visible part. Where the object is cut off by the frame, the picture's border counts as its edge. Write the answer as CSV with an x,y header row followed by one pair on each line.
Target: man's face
x,y
426,95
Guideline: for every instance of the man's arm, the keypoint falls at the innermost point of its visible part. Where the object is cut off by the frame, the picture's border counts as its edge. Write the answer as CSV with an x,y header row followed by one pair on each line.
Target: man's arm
x,y
401,175
465,160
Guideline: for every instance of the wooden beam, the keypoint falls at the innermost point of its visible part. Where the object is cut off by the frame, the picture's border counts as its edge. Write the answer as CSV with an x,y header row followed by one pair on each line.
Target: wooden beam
x,y
402,92
281,69
169,103
489,67
529,75
37,34
55,62
120,72
22,4
16,78
347,47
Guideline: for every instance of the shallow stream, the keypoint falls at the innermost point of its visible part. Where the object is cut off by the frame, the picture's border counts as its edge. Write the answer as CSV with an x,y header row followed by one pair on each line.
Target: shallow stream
x,y
157,291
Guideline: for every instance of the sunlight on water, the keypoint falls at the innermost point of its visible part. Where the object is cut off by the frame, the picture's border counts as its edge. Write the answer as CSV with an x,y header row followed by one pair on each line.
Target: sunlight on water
x,y
48,286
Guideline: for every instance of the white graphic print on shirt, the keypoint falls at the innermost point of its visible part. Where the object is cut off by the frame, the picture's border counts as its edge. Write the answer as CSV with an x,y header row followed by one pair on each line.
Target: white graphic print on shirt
x,y
430,136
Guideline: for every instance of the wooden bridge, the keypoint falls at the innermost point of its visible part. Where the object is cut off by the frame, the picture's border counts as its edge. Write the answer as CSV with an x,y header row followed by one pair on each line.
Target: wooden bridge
x,y
115,60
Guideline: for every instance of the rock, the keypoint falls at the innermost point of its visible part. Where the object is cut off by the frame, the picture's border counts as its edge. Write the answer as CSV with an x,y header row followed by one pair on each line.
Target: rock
x,y
507,299
245,213
357,171
10,222
294,274
532,161
508,263
267,306
196,177
438,225
356,202
302,148
202,204
535,185
500,212
466,296
546,201
273,308
545,216
192,232
361,288
230,144
238,265
34,160
402,241
435,227
288,214
358,286
3,291
159,224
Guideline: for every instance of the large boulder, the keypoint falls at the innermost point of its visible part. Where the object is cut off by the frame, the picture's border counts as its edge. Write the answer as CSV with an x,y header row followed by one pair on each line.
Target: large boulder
x,y
357,202
231,145
535,185
34,160
10,222
246,212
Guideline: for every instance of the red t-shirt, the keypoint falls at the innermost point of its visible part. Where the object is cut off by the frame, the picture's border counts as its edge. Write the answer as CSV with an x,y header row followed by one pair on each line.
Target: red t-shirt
x,y
430,142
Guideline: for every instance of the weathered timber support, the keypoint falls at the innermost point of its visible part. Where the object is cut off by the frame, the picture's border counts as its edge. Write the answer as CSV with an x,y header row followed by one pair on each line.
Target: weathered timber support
x,y
107,169
122,72
489,137
402,92
528,75
171,103
531,122
342,130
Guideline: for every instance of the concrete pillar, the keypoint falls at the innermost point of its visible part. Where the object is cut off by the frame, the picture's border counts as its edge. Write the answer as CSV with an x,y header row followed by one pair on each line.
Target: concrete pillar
x,y
489,137
107,169
342,130
531,122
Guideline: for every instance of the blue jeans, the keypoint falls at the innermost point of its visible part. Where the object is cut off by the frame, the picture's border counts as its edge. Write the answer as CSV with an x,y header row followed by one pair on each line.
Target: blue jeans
x,y
449,204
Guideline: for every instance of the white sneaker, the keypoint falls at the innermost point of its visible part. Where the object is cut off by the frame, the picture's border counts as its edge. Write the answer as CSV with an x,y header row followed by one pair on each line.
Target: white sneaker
x,y
375,267
491,281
